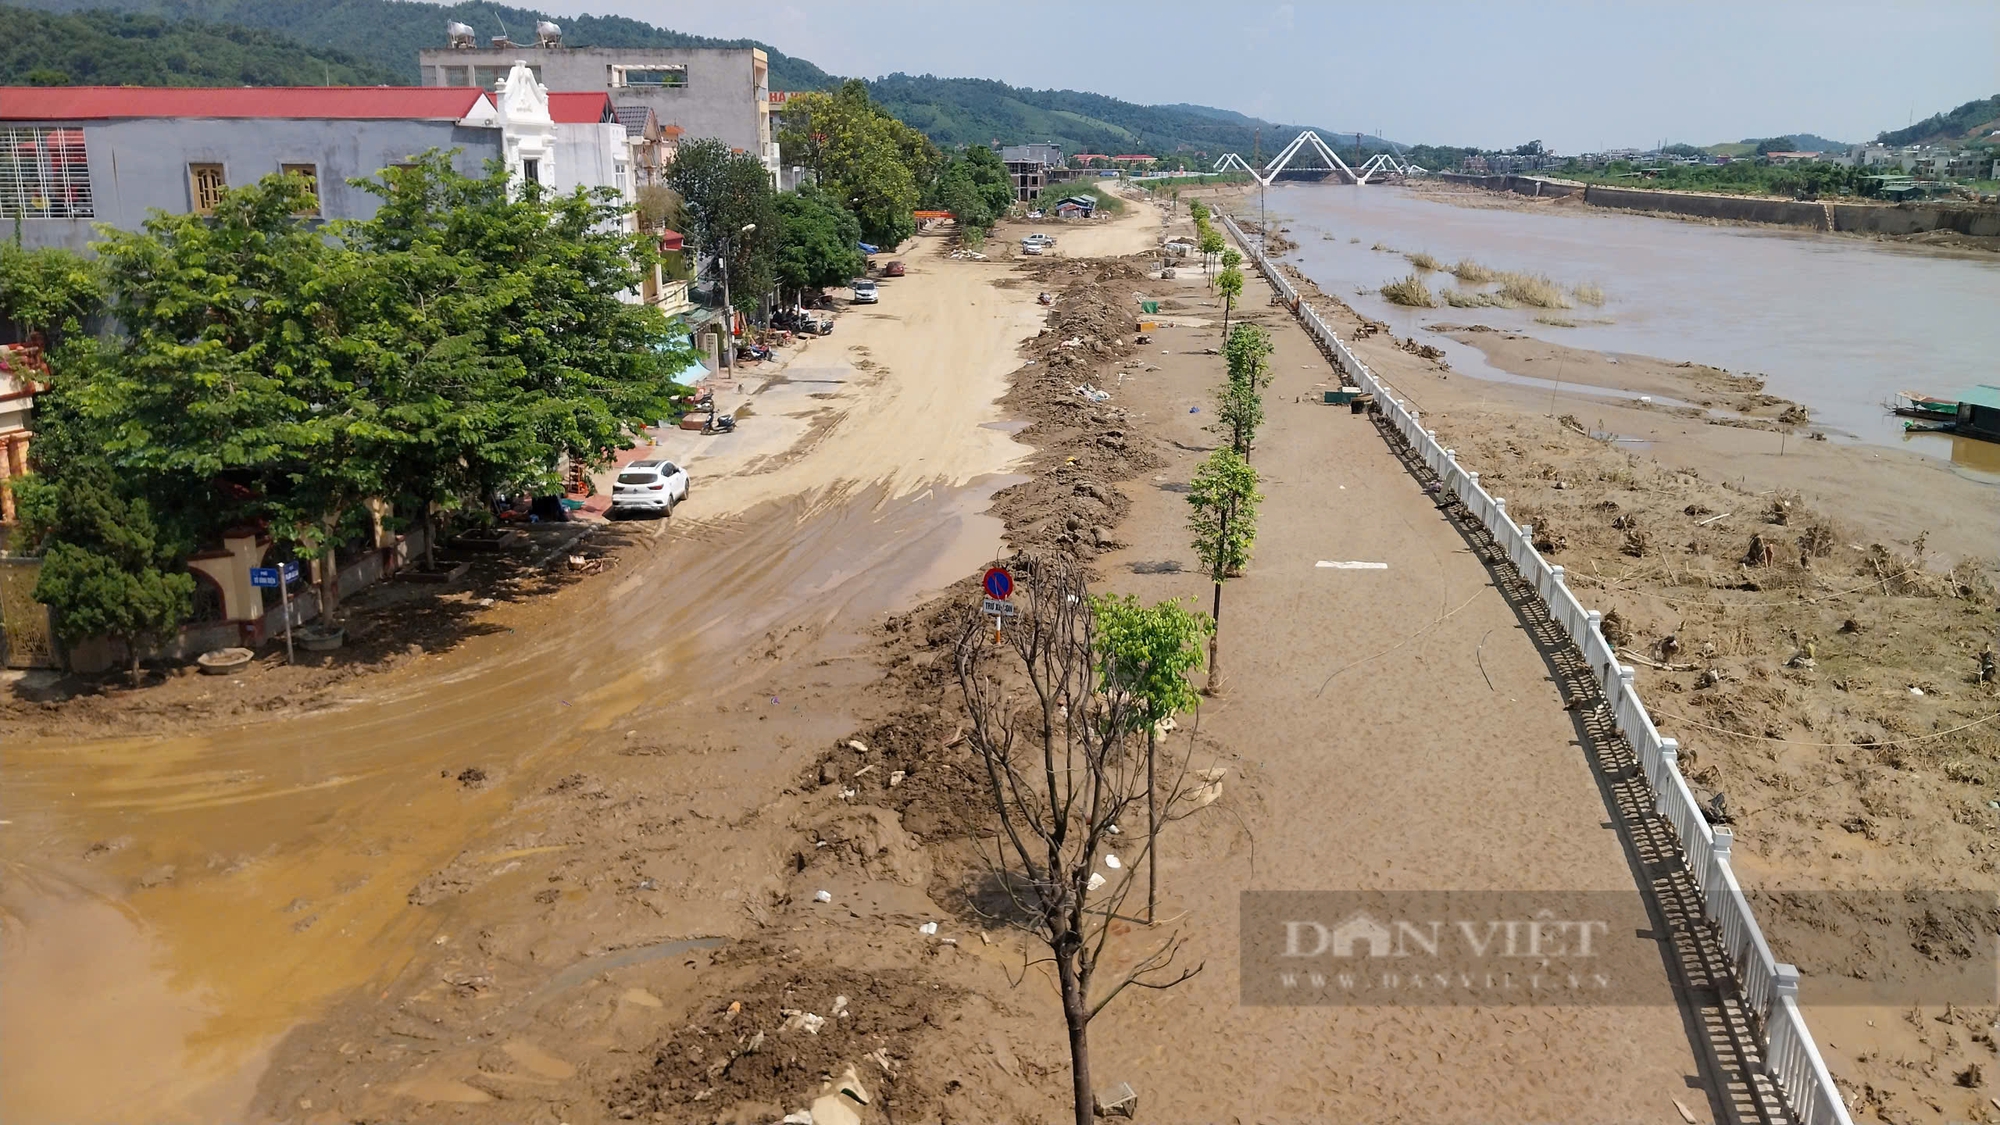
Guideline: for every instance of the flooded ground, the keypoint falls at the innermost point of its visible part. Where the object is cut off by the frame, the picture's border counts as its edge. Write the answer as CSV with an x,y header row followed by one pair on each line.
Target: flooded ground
x,y
1838,324
173,905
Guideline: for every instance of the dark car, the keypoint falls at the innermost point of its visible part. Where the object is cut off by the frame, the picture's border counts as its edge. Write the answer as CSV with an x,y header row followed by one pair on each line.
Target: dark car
x,y
893,269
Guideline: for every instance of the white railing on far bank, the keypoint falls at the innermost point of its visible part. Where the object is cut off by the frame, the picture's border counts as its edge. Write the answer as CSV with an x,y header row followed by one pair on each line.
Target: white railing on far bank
x,y
1769,987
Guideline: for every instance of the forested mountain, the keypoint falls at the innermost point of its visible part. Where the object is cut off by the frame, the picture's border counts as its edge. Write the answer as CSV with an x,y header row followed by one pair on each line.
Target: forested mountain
x,y
118,49
1973,121
388,33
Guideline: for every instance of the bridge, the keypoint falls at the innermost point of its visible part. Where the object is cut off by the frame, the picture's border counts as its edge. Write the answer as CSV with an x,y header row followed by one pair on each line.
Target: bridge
x,y
1382,166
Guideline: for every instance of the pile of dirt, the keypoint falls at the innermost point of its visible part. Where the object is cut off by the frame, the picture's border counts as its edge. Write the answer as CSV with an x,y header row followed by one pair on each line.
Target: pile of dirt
x,y
786,1040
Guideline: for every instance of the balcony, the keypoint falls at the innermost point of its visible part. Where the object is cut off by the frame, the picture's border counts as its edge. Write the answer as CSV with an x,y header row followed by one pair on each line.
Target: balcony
x,y
672,299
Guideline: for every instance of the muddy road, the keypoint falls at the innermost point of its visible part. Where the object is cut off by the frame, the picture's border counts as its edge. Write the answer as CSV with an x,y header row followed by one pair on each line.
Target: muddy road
x,y
174,905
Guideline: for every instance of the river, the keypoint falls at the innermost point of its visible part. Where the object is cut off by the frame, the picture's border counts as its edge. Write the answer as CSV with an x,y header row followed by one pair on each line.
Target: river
x,y
1839,324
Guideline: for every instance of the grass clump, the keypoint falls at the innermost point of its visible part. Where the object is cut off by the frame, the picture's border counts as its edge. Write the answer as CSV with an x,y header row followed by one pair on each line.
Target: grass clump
x,y
1468,298
1472,273
1588,293
1383,247
1422,260
1534,290
1410,291
1555,321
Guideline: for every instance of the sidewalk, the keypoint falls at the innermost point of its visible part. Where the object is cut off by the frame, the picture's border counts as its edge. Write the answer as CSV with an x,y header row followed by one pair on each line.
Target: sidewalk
x,y
1389,728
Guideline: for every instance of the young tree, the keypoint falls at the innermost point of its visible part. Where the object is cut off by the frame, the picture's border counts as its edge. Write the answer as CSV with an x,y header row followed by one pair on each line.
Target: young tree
x,y
1148,652
1211,245
1240,400
1230,284
106,570
1054,738
1224,522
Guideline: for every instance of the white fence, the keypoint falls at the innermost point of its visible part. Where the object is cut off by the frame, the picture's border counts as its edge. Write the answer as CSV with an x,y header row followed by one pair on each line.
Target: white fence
x,y
1769,987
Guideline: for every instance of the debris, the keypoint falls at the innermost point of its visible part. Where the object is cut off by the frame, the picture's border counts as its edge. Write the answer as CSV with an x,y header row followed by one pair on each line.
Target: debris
x,y
823,896
806,1020
1207,788
1112,861
850,1084
1687,1114
927,928
847,794
1118,1101
802,1117
1915,690
840,1005
896,778
853,744
830,1109
1096,880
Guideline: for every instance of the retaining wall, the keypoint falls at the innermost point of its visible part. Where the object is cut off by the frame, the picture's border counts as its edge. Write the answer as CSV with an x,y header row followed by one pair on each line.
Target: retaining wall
x,y
1848,217
1769,987
1536,186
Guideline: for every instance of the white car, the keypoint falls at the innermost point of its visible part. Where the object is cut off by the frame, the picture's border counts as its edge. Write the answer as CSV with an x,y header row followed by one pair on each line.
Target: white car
x,y
649,486
864,291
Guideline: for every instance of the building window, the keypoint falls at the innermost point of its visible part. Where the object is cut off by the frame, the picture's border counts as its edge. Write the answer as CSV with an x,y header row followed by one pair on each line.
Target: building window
x,y
44,173
656,76
618,177
531,171
205,187
310,174
454,76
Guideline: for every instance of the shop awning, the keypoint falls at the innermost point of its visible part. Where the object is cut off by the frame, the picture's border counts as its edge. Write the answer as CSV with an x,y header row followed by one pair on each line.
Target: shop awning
x,y
692,374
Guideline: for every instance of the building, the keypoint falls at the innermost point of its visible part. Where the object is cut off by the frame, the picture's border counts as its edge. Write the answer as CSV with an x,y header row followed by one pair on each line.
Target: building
x,y
721,92
78,156
1029,165
1790,157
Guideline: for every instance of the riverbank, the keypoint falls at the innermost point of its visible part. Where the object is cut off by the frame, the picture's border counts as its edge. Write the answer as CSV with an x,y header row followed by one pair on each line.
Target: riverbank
x,y
1806,619
1948,226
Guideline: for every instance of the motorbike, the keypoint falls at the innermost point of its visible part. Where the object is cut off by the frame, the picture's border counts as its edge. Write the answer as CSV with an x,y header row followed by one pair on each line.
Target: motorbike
x,y
719,423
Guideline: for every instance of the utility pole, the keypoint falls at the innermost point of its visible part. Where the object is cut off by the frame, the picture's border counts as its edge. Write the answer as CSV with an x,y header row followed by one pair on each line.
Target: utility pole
x,y
729,310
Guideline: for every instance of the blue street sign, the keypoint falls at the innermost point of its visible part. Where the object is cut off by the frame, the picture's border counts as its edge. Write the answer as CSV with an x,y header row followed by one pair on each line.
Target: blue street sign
x,y
291,572
999,584
265,576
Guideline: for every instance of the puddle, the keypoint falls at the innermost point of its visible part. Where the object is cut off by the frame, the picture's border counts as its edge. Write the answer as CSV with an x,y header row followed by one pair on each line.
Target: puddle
x,y
1007,427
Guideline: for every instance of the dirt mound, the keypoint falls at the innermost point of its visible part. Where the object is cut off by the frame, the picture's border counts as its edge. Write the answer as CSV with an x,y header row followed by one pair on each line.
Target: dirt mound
x,y
914,764
770,1050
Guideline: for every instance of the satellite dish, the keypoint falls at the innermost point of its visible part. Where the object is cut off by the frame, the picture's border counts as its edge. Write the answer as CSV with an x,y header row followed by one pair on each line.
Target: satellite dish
x,y
458,34
547,34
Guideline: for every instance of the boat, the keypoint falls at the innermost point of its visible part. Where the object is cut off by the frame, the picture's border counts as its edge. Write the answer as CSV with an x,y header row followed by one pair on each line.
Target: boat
x,y
1910,404
1942,426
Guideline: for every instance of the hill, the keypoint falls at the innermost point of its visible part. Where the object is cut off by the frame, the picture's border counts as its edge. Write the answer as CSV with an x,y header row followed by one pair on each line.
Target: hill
x,y
119,49
967,111
1973,121
388,33
1793,142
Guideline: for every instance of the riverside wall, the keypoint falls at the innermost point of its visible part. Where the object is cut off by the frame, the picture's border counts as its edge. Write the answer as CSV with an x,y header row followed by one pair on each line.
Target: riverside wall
x,y
1827,215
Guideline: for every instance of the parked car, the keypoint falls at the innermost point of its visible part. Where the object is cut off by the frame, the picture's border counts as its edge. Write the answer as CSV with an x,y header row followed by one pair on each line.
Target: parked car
x,y
1033,249
1034,214
893,269
864,291
649,486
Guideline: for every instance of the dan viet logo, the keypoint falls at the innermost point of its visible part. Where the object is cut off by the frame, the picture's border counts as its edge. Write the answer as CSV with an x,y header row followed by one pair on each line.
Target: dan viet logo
x,y
1432,948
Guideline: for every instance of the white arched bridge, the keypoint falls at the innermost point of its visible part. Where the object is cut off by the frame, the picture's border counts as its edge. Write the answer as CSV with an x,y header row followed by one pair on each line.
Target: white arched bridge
x,y
1308,154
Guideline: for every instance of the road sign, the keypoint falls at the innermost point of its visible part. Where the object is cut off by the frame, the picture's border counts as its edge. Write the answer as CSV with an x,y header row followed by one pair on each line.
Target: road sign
x,y
264,576
291,571
994,607
998,583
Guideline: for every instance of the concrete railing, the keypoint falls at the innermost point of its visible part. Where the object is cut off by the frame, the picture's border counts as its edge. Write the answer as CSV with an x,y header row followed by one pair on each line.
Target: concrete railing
x,y
1769,987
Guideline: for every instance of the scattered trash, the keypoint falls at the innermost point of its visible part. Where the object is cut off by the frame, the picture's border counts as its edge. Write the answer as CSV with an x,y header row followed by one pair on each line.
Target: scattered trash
x,y
896,778
850,1084
735,1006
1687,1115
853,744
1118,1101
1096,880
847,794
831,1109
1112,861
802,1117
823,896
839,1006
1915,690
927,928
1092,393
1194,410
1325,565
796,1020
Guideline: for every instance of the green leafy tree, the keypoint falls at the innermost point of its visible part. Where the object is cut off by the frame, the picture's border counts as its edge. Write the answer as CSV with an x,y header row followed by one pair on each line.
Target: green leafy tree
x,y
863,157
1148,652
721,193
106,569
1240,400
1211,245
1231,258
990,176
44,290
1198,211
1224,497
1229,283
817,242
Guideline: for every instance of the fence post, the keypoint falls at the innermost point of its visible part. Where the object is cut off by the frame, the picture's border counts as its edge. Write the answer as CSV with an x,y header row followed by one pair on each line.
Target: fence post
x,y
1784,984
1720,842
1558,573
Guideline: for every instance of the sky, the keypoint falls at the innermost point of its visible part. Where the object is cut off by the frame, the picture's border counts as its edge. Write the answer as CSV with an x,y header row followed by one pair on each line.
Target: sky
x,y
1576,76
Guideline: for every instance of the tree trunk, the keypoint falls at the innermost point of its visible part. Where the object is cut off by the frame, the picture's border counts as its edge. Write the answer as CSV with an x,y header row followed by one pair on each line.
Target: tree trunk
x,y
132,647
329,584
1152,824
1225,320
1214,660
430,538
1077,1016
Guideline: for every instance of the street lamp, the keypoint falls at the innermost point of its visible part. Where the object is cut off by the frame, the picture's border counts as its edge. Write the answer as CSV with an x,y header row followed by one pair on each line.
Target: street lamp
x,y
729,310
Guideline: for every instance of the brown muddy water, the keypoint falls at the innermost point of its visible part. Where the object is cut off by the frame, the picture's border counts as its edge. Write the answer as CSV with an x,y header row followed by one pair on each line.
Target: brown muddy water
x,y
1839,324
170,906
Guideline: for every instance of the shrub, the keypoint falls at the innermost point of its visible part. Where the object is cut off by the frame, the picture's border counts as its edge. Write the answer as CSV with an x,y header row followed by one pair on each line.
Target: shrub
x,y
1534,290
1410,291
1588,293
1422,260
1471,272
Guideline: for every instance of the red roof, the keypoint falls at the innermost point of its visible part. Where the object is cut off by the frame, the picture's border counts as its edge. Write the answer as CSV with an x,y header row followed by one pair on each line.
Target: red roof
x,y
671,241
590,108
78,103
